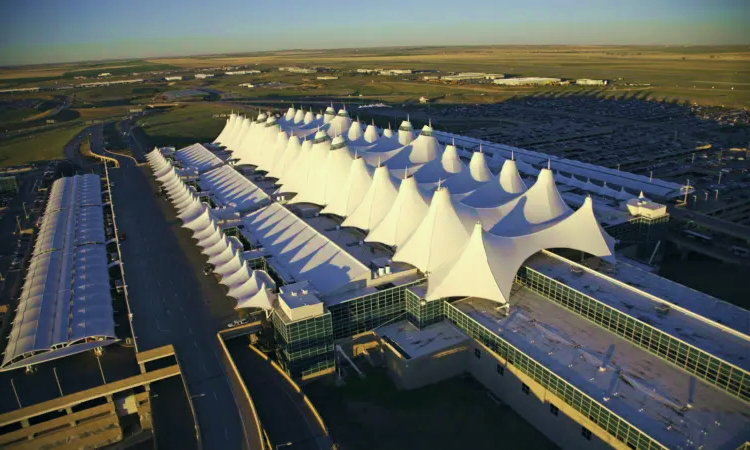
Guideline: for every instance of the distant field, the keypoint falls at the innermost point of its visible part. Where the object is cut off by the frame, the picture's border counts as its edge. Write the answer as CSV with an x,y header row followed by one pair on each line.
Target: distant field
x,y
39,146
702,74
184,125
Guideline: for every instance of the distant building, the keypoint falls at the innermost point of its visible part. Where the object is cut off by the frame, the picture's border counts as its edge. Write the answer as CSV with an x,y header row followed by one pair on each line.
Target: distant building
x,y
203,76
10,91
368,70
297,70
396,72
173,78
526,81
590,82
247,85
430,77
328,78
104,75
109,83
423,100
466,76
241,72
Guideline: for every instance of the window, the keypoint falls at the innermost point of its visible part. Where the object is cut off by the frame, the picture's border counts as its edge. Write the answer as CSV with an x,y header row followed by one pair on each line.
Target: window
x,y
525,388
477,353
553,409
501,370
585,432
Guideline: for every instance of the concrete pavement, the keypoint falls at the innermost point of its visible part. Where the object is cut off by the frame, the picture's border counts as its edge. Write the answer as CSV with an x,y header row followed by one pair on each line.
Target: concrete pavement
x,y
172,302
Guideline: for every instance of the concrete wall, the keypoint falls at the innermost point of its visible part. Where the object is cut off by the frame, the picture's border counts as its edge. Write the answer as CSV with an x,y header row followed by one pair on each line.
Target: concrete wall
x,y
429,369
563,429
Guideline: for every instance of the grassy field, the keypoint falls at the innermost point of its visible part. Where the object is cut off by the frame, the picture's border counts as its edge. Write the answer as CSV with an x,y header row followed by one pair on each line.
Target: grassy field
x,y
39,146
185,125
702,74
452,414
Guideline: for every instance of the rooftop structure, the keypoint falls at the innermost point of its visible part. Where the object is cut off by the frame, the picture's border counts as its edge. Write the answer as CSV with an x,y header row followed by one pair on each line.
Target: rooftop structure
x,y
65,305
661,366
521,81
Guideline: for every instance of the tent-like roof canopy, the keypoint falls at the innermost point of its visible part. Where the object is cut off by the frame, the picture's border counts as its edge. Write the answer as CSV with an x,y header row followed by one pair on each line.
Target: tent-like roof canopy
x,y
441,168
232,189
290,154
301,251
351,194
443,231
469,180
487,264
403,217
504,187
65,299
376,203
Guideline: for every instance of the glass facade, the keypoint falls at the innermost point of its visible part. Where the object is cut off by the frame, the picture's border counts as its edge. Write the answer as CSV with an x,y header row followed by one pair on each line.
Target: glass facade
x,y
368,312
422,315
703,365
640,230
579,401
305,346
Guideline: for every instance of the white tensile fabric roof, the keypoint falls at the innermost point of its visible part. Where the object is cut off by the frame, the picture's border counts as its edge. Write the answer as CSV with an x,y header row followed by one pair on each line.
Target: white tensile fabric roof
x,y
294,177
469,180
197,156
232,189
376,203
223,252
403,217
468,244
442,232
351,194
504,187
313,187
410,156
441,168
301,250
486,266
291,153
65,299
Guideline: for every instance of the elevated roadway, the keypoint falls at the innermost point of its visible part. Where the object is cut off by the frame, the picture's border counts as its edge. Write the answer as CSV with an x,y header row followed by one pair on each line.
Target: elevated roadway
x,y
712,223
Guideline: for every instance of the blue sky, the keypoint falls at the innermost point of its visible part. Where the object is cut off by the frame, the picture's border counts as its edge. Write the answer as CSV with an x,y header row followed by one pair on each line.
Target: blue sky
x,y
43,31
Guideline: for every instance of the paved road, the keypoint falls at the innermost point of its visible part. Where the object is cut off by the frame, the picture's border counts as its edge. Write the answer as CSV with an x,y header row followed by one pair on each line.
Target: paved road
x,y
172,302
282,411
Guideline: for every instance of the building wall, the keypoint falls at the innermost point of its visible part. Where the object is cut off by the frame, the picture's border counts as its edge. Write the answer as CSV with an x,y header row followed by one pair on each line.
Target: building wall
x,y
429,369
565,429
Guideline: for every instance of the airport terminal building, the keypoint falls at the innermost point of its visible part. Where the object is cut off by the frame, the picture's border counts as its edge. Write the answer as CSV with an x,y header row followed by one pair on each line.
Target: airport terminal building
x,y
460,256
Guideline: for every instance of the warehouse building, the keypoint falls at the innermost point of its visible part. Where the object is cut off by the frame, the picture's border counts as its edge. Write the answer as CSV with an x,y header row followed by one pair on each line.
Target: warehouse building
x,y
590,82
527,81
454,268
203,76
469,76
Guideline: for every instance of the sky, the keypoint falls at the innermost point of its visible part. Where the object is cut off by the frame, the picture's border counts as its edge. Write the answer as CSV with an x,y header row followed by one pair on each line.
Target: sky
x,y
47,31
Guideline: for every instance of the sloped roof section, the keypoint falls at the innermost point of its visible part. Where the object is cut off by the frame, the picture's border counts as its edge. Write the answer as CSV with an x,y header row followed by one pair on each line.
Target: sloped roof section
x,y
403,218
441,234
232,189
376,203
486,266
198,157
65,299
503,188
353,191
302,251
